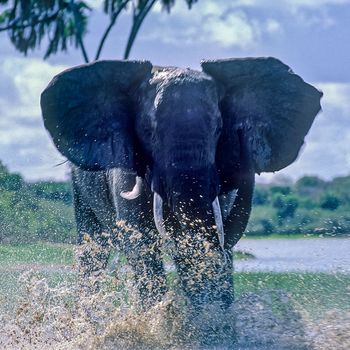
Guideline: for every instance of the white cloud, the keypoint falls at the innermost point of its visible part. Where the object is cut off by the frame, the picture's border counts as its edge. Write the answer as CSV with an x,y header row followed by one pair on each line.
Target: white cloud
x,y
95,3
232,30
336,95
305,12
30,76
241,24
273,26
207,22
24,143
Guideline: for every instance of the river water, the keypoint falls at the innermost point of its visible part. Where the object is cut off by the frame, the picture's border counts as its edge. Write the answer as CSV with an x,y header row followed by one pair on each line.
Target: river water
x,y
328,255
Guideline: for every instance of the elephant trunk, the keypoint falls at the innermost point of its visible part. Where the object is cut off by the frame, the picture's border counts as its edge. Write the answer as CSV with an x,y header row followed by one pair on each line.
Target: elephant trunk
x,y
189,203
159,217
189,195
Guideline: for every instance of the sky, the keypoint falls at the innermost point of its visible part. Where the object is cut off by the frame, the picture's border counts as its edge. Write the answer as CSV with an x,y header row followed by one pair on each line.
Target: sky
x,y
311,36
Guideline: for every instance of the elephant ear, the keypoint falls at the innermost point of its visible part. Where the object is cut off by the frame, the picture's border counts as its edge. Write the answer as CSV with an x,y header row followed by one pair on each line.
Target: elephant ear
x,y
271,106
88,112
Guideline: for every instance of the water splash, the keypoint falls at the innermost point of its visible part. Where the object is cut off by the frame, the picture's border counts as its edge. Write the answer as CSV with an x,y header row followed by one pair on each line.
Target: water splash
x,y
70,316
104,312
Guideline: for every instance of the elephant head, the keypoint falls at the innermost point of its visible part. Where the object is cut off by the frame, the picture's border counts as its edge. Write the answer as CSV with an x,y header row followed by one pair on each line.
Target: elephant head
x,y
194,135
189,128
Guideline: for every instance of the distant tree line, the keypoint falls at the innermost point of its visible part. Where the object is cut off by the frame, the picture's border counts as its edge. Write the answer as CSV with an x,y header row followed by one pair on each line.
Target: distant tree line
x,y
43,211
40,211
309,206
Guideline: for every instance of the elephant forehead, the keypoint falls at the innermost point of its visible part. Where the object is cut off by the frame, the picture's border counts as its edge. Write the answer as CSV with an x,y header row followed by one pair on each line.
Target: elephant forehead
x,y
173,73
179,80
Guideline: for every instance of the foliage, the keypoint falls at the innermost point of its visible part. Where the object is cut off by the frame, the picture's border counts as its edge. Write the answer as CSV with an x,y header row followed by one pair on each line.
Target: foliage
x,y
64,23
285,205
34,211
309,185
53,191
283,190
340,187
11,182
262,220
310,206
329,201
261,195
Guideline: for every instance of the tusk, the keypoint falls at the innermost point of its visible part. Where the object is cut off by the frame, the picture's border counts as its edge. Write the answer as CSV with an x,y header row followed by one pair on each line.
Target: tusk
x,y
227,201
135,192
218,222
158,214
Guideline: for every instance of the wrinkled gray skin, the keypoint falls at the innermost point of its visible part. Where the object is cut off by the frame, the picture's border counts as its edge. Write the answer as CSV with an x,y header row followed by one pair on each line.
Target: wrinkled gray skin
x,y
162,150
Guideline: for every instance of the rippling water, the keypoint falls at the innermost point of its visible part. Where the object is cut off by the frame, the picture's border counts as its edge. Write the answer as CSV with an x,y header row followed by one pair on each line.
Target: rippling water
x,y
296,255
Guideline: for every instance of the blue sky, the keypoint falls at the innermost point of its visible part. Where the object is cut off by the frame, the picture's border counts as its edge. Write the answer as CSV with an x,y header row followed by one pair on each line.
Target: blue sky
x,y
311,36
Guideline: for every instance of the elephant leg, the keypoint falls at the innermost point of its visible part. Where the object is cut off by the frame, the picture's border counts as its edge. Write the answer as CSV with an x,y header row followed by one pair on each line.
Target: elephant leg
x,y
94,249
206,278
137,237
149,274
205,270
142,250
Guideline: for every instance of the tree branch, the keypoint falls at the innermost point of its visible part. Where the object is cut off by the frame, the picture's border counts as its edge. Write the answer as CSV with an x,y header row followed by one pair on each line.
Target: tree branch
x,y
108,29
79,34
83,50
13,25
138,20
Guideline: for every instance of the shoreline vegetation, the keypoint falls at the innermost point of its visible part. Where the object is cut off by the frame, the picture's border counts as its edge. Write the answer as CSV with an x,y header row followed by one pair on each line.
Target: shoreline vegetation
x,y
42,211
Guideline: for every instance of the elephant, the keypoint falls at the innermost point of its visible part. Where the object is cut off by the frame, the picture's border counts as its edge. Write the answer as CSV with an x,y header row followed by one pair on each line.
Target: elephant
x,y
171,154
